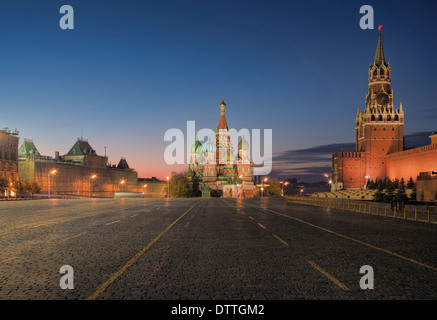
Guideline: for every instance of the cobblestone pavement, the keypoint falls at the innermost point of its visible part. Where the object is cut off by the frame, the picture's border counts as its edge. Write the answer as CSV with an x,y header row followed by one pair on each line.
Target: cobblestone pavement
x,y
210,249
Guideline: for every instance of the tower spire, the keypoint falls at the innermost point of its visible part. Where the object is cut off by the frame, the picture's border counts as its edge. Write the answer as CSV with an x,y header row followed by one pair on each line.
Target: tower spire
x,y
222,122
379,55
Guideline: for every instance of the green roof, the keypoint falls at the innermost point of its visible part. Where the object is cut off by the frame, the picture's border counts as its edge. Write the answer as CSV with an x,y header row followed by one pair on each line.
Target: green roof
x,y
28,148
81,147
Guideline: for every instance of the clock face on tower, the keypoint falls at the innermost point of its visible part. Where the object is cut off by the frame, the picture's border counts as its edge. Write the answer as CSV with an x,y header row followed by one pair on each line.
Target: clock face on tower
x,y
382,99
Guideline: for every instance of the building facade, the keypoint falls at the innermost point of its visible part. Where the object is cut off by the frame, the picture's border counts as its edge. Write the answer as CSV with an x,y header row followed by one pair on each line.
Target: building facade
x,y
80,172
379,147
9,156
216,166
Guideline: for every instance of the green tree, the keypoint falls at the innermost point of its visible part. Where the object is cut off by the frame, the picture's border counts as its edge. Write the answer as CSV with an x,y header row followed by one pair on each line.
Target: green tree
x,y
18,187
402,184
274,189
388,195
4,184
410,183
413,193
34,188
400,195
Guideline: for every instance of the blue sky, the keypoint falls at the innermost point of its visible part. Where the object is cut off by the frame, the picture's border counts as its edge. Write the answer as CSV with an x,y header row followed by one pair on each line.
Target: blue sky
x,y
130,70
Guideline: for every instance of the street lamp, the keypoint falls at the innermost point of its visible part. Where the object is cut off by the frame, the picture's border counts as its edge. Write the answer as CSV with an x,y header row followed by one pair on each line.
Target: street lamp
x,y
168,187
92,177
144,192
262,187
121,182
53,172
284,184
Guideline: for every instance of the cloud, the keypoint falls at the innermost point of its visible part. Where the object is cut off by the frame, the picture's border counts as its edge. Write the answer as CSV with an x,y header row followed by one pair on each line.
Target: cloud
x,y
311,163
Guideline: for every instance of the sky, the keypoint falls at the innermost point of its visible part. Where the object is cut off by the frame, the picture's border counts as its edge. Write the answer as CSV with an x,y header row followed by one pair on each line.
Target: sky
x,y
131,70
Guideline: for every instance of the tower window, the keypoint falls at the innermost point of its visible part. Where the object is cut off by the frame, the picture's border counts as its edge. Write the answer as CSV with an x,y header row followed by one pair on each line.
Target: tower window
x,y
396,117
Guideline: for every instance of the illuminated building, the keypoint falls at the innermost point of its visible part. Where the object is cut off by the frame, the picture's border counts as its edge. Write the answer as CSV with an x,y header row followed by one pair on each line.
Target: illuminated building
x,y
9,156
379,148
216,166
80,172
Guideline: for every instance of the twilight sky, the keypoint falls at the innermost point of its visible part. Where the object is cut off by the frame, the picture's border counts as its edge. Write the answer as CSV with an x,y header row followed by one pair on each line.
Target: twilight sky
x,y
130,70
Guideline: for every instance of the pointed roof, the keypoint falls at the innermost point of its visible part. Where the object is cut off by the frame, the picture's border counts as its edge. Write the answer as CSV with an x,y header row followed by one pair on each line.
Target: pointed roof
x,y
81,147
222,122
379,55
28,148
123,164
196,148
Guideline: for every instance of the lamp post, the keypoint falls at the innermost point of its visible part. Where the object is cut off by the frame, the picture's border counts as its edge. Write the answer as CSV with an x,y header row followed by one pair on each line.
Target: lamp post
x,y
121,182
144,192
284,184
92,177
262,188
53,172
168,187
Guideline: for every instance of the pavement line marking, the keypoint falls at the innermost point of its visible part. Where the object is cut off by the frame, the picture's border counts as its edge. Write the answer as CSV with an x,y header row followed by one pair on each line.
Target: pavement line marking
x,y
318,268
8,259
111,280
134,215
77,235
279,238
116,221
358,241
155,271
261,226
250,217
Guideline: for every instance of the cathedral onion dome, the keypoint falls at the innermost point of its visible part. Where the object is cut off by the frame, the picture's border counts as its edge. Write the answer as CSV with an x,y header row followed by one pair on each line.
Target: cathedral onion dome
x,y
223,103
243,144
200,159
209,146
196,148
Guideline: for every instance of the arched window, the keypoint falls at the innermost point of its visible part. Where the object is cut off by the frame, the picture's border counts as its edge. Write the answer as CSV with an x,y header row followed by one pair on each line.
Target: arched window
x,y
396,117
373,118
388,117
380,118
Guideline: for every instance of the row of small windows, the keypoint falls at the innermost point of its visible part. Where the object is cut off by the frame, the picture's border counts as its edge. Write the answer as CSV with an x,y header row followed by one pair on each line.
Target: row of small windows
x,y
5,155
395,118
381,72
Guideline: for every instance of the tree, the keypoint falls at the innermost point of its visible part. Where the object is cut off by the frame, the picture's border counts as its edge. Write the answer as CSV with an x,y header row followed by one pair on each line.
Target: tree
x,y
400,196
18,187
378,195
410,183
34,188
402,184
274,189
413,193
4,184
182,187
388,195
